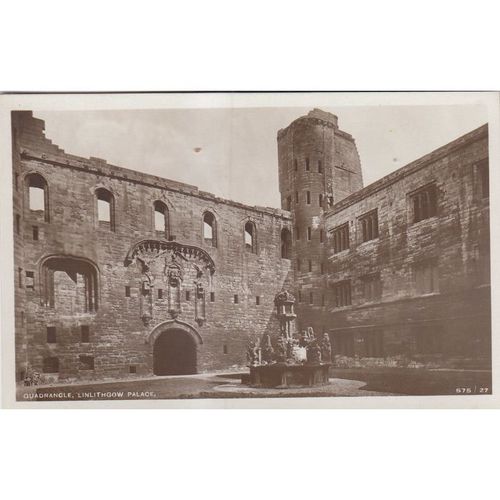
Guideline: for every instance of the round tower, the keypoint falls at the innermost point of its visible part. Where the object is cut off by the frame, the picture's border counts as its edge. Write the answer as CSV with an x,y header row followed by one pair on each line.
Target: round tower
x,y
318,166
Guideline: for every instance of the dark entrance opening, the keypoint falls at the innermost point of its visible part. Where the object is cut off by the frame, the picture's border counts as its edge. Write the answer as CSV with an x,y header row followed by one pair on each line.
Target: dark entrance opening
x,y
174,353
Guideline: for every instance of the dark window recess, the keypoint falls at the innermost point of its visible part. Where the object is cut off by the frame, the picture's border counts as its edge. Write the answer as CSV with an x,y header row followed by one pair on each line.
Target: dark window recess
x,y
105,208
374,344
426,277
20,277
321,235
371,287
484,179
322,268
295,165
286,243
309,234
212,296
308,167
296,197
18,223
127,291
320,199
188,295
300,296
85,334
250,237
132,369
17,181
311,298
298,264
308,197
428,339
30,280
236,299
343,344
341,238
86,362
310,265
161,218
289,203
35,233
224,349
369,225
320,167
160,293
342,293
51,364
297,233
424,203
323,299
257,300
51,335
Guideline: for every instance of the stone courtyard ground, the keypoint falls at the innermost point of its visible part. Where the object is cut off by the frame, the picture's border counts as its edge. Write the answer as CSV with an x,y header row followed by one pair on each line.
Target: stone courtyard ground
x,y
344,382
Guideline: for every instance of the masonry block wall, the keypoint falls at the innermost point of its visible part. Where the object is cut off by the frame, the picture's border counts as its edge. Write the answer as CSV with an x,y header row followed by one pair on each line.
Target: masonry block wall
x,y
318,166
92,296
417,287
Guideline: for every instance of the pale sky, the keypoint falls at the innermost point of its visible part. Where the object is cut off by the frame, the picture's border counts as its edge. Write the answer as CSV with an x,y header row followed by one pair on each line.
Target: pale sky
x,y
233,152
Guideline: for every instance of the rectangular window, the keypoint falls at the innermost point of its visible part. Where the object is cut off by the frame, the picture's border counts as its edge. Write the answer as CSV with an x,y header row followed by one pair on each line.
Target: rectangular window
x,y
51,364
132,369
371,287
320,199
30,280
307,165
426,277
369,225
296,197
320,167
310,265
18,223
289,203
341,238
36,198
236,299
295,165
300,296
86,362
323,299
212,296
35,233
160,293
374,344
322,268
188,295
342,293
343,344
321,235
428,338
311,298
20,277
297,233
298,264
51,335
308,197
309,234
484,179
224,349
85,334
127,291
424,203
257,300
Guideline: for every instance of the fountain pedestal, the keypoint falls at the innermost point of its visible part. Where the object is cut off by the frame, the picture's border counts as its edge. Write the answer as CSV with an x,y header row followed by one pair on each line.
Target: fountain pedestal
x,y
288,375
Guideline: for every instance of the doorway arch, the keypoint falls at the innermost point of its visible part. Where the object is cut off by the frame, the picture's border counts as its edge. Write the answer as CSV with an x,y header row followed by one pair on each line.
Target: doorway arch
x,y
174,353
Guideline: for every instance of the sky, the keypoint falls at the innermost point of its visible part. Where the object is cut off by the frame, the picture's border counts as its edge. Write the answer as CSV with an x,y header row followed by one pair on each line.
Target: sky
x,y
232,152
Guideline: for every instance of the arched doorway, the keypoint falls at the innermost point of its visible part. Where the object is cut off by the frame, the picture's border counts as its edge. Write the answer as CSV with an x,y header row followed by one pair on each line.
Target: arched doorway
x,y
174,353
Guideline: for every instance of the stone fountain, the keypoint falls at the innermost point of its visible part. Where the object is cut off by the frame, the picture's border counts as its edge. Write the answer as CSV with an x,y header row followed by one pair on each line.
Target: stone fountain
x,y
289,359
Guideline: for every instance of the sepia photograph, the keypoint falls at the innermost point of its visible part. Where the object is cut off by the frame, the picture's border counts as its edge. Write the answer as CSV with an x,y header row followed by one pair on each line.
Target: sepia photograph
x,y
239,246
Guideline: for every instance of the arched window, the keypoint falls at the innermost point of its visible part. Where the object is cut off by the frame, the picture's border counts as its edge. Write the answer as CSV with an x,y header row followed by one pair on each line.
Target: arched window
x,y
38,195
105,208
161,219
250,237
209,229
69,285
286,243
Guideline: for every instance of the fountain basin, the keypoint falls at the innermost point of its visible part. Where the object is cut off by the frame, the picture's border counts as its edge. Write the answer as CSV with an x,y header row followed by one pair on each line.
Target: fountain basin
x,y
288,375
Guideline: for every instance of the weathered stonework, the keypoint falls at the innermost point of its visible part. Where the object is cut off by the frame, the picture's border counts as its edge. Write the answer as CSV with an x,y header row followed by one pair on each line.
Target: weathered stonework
x,y
119,298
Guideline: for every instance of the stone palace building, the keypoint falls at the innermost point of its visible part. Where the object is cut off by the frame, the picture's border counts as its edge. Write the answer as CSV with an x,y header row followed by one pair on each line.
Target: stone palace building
x,y
120,273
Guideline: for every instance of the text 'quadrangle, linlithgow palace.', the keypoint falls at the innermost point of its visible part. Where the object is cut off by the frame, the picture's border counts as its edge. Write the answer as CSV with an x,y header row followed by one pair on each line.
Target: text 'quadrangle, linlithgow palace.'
x,y
121,274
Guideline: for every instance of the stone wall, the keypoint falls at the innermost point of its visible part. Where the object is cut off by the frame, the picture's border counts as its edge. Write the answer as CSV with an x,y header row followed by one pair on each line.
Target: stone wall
x,y
120,330
438,318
